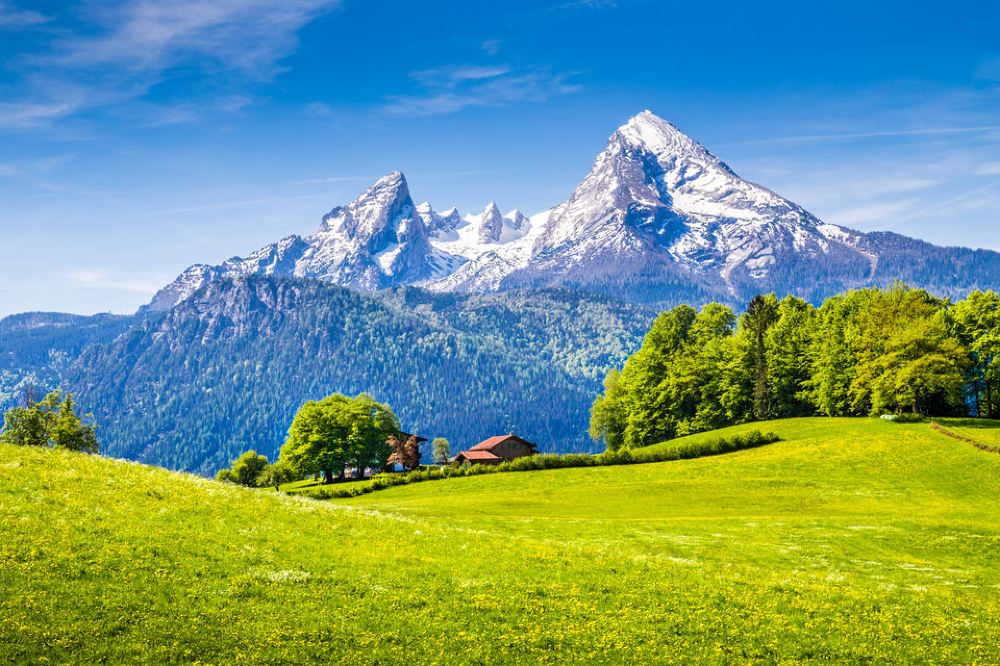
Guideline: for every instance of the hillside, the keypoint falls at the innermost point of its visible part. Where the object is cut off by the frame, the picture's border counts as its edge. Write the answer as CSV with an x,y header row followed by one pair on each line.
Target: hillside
x,y
36,348
225,370
850,541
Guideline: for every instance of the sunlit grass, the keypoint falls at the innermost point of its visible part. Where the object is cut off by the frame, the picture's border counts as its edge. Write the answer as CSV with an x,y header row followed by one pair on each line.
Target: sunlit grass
x,y
850,541
983,431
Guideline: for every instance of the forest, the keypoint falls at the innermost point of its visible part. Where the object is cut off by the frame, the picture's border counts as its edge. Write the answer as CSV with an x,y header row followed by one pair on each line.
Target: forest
x,y
899,351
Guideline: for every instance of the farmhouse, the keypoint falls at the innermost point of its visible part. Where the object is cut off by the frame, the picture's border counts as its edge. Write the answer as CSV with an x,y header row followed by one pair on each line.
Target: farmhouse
x,y
496,450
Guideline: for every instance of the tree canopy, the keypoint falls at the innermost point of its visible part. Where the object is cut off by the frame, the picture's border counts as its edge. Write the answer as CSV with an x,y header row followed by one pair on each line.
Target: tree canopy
x,y
339,432
51,422
867,351
441,450
246,470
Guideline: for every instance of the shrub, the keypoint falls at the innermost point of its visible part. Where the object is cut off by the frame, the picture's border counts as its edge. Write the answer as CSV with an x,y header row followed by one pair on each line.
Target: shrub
x,y
542,461
908,417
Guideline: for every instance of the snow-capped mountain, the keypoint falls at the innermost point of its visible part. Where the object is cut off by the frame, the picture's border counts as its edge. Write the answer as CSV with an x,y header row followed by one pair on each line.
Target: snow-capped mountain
x,y
658,219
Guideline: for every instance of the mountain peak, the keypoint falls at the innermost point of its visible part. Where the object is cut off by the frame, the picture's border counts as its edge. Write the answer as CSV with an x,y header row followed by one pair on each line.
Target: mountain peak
x,y
648,130
393,182
491,223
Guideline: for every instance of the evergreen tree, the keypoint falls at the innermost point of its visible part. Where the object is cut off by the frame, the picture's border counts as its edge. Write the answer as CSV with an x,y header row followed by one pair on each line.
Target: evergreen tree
x,y
761,314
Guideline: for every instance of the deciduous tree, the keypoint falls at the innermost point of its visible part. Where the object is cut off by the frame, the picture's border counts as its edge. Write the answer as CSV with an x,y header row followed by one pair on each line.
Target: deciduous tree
x,y
51,422
441,450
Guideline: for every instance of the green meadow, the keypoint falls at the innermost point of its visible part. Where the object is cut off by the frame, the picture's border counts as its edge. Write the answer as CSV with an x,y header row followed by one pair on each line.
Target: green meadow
x,y
851,540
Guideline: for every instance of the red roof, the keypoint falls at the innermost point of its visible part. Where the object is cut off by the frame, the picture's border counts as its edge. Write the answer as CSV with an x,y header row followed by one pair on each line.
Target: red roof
x,y
478,455
488,444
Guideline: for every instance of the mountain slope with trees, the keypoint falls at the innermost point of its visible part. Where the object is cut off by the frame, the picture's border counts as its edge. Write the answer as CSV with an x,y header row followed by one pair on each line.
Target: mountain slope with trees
x,y
225,370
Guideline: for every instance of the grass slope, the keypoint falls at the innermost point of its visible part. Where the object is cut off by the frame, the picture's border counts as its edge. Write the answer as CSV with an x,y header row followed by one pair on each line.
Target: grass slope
x,y
852,540
982,431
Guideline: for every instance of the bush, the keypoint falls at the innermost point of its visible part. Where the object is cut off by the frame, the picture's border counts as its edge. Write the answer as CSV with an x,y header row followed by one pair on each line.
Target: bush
x,y
683,451
908,417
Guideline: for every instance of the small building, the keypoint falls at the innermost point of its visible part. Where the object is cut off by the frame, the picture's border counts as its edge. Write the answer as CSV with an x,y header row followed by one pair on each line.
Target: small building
x,y
496,450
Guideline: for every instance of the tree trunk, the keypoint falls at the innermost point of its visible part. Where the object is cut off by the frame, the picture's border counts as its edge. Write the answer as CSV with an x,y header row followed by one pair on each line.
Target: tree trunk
x,y
327,476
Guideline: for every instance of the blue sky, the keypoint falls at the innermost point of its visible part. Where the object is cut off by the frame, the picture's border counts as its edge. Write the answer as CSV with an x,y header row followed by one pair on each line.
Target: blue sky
x,y
139,137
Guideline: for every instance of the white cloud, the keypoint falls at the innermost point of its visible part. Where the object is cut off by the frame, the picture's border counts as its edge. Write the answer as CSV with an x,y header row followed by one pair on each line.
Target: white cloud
x,y
988,169
492,46
13,18
129,46
454,88
32,114
246,35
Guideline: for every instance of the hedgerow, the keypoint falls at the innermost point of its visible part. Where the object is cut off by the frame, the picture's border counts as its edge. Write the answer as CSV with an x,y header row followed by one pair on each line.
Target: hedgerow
x,y
681,451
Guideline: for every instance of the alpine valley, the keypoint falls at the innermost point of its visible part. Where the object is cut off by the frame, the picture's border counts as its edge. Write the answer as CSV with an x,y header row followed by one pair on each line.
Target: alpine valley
x,y
467,324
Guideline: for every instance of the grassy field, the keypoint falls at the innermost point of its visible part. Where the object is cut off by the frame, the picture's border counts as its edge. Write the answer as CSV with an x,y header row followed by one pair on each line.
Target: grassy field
x,y
851,540
981,430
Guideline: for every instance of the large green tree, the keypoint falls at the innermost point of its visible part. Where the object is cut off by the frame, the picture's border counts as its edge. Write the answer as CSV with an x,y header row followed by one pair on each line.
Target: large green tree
x,y
976,323
787,344
330,435
670,386
907,358
833,352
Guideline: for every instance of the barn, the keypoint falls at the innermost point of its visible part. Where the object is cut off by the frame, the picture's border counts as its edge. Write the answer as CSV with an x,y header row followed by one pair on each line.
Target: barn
x,y
496,450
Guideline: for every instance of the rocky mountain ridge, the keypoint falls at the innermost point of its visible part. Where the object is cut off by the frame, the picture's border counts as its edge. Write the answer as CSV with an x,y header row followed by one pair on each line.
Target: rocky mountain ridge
x,y
658,219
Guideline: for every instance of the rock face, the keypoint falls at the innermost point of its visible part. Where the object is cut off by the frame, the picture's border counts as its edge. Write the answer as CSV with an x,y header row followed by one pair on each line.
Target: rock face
x,y
658,219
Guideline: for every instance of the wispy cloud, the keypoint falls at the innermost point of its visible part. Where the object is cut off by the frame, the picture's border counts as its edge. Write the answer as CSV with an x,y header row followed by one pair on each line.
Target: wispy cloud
x,y
103,278
588,4
492,46
116,51
877,134
14,18
874,213
33,114
146,35
454,88
988,169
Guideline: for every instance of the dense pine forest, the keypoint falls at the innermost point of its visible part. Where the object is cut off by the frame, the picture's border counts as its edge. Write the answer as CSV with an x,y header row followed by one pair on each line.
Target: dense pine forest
x,y
897,351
